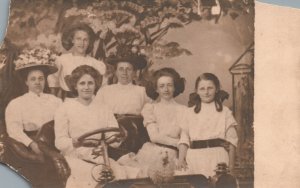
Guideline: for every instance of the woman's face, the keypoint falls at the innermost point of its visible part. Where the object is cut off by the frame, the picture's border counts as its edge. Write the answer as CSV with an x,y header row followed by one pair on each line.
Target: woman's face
x,y
80,42
165,87
124,73
36,81
207,91
86,87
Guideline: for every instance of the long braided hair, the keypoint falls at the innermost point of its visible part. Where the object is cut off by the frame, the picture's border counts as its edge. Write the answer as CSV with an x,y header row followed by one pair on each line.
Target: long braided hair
x,y
221,95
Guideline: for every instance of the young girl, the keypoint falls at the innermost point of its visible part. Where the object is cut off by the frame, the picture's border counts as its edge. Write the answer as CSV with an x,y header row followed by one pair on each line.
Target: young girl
x,y
211,128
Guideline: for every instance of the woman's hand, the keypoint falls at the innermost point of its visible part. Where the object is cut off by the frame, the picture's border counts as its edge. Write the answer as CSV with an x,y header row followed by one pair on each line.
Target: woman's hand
x,y
181,165
35,148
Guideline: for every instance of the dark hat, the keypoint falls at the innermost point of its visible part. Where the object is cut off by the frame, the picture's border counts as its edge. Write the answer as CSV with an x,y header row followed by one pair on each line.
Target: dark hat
x,y
68,34
137,61
38,58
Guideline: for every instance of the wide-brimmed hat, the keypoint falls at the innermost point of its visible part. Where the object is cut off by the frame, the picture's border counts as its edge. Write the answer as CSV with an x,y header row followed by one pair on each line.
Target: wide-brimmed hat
x,y
68,33
37,58
137,61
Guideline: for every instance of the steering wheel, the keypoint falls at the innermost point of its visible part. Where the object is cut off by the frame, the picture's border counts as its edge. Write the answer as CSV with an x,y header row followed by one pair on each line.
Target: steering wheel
x,y
102,131
106,174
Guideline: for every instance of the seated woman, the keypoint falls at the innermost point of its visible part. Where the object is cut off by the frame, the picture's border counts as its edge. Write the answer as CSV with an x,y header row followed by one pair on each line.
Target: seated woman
x,y
78,40
80,115
162,118
26,114
126,101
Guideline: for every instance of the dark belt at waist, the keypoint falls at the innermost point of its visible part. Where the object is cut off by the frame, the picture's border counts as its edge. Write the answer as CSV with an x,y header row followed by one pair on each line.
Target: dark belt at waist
x,y
198,144
167,146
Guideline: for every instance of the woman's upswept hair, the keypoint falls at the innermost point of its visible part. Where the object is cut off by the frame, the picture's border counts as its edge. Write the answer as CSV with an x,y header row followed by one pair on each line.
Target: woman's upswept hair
x,y
221,95
79,72
68,35
179,82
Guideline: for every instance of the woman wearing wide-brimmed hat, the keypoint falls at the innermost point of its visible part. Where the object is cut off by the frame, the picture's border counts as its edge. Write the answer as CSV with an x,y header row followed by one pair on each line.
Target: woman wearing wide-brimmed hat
x,y
35,108
78,40
29,117
127,100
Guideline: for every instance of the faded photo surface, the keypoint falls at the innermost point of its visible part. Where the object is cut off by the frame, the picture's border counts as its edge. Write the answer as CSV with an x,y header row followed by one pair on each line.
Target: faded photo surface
x,y
143,93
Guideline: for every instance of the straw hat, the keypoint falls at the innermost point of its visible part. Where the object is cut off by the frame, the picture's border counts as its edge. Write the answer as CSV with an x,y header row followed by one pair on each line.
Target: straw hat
x,y
38,58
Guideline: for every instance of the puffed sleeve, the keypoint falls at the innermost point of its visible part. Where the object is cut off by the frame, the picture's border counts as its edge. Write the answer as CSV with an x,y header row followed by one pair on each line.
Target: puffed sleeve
x,y
99,98
231,124
112,121
145,97
14,123
148,114
53,79
184,134
63,141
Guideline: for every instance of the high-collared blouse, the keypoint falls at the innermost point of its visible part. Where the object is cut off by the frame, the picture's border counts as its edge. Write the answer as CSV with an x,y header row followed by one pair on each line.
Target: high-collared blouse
x,y
123,99
73,119
66,63
29,112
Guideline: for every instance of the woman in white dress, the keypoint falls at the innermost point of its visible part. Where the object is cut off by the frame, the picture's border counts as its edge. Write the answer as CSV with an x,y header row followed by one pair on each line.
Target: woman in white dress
x,y
163,119
26,114
78,40
29,116
126,101
78,116
211,128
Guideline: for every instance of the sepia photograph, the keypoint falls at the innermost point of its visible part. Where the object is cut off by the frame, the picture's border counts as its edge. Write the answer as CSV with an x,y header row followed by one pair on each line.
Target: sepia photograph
x,y
129,93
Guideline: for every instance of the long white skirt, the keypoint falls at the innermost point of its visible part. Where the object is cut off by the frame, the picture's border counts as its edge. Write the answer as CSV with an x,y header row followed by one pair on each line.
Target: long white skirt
x,y
204,161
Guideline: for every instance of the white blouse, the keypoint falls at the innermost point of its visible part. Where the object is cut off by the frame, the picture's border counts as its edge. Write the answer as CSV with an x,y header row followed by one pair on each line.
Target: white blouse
x,y
168,117
123,99
66,63
73,119
29,112
211,124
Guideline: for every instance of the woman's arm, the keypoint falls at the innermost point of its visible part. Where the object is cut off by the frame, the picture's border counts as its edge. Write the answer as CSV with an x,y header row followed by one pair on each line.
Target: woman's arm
x,y
232,137
14,123
157,137
112,122
62,139
182,156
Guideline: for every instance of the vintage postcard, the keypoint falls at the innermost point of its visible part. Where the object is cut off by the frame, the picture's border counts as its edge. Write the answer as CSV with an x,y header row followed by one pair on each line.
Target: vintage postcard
x,y
134,93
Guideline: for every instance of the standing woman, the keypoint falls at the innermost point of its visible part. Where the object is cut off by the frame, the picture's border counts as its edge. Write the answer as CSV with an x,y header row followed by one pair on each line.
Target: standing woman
x,y
126,101
78,116
78,40
211,128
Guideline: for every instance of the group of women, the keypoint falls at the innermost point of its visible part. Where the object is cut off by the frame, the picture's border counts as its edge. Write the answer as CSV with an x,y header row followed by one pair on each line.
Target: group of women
x,y
195,138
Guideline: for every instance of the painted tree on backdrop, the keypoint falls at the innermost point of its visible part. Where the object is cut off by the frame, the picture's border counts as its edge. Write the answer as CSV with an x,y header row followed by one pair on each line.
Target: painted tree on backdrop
x,y
137,26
